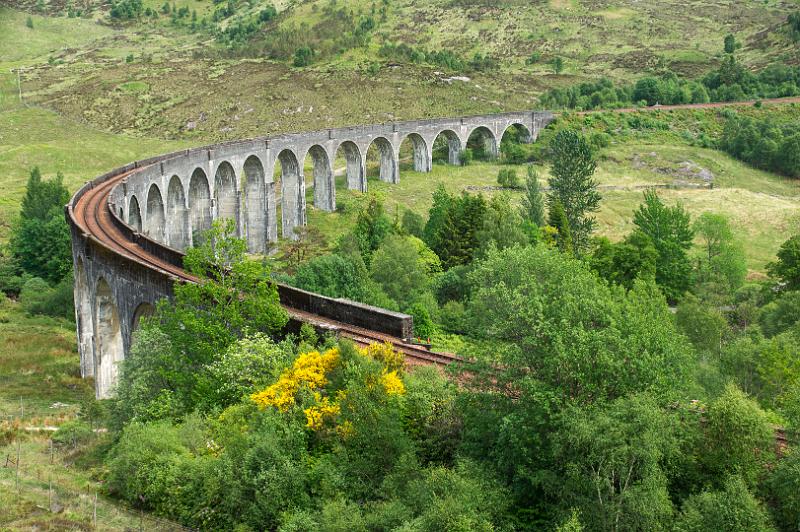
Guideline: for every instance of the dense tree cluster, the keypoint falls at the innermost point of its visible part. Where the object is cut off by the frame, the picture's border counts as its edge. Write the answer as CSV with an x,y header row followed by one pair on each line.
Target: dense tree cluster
x,y
37,264
730,82
764,143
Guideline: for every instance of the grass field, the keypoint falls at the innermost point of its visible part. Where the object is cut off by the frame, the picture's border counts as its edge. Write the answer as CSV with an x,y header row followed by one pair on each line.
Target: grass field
x,y
762,207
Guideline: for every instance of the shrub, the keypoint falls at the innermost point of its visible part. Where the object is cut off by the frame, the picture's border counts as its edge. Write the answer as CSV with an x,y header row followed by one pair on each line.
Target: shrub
x,y
466,156
72,433
507,178
37,297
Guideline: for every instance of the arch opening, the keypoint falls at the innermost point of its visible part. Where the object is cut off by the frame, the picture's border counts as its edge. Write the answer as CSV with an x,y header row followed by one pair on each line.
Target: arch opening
x,y
413,154
83,320
514,142
482,143
292,192
446,148
225,196
382,161
155,220
349,154
258,217
134,214
322,178
177,215
144,310
199,205
110,350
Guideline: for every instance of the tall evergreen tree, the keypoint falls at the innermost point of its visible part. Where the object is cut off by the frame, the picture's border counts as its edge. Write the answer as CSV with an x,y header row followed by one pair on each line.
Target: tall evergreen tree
x,y
573,166
533,200
557,218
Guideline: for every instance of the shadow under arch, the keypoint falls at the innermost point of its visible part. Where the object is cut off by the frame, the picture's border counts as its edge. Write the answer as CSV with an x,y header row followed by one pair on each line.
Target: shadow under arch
x,y
323,182
259,206
135,214
354,166
483,144
414,145
199,205
177,215
387,159
292,201
446,147
225,194
155,221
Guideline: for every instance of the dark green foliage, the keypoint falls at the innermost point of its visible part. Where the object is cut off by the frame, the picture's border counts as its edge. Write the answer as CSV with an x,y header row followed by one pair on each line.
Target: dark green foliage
x,y
37,297
730,44
794,24
730,82
335,275
625,262
303,56
29,22
573,166
670,231
453,226
704,325
784,488
557,219
40,240
372,226
787,268
781,314
396,267
502,225
764,144
466,156
413,223
126,9
72,433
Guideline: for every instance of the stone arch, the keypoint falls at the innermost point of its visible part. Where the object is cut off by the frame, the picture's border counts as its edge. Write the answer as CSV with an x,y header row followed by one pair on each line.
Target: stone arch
x,y
155,221
356,178
177,215
446,146
483,143
258,217
293,201
225,195
83,319
135,214
523,133
387,157
144,310
324,185
419,152
109,346
199,204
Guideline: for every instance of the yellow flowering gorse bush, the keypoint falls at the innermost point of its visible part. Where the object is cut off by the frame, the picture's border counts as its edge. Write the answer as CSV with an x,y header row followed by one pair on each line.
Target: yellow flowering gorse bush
x,y
310,370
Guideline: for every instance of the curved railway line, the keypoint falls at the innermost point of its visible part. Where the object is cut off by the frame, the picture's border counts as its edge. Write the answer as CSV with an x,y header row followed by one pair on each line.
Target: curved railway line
x,y
92,213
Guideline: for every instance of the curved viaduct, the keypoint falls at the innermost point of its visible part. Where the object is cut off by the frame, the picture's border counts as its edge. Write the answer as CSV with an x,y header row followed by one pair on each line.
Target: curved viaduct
x,y
131,225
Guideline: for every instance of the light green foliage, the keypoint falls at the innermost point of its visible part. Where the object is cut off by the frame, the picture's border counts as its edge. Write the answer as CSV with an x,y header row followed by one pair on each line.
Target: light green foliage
x,y
624,262
507,178
334,275
571,524
703,324
399,270
73,433
372,226
670,231
40,240
732,508
739,439
612,458
556,318
787,267
533,208
723,264
573,166
502,225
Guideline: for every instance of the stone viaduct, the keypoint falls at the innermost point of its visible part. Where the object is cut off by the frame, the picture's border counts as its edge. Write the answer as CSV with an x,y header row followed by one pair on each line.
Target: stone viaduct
x,y
130,226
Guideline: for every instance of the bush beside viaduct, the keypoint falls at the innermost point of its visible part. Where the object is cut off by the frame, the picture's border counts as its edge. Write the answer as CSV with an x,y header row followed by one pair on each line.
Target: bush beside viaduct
x,y
130,226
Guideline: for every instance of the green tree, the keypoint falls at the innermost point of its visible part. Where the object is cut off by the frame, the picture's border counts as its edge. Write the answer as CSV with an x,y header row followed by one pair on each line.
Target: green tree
x,y
557,64
502,225
787,268
724,262
704,325
624,262
784,488
303,56
233,296
557,219
670,231
413,224
533,208
40,239
372,226
29,22
397,269
573,166
730,44
732,508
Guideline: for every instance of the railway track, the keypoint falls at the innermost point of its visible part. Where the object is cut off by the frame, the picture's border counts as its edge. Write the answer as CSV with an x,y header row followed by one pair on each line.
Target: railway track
x,y
93,215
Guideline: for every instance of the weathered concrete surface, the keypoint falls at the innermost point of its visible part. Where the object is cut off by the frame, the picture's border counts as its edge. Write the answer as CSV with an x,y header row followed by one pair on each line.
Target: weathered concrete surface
x,y
164,203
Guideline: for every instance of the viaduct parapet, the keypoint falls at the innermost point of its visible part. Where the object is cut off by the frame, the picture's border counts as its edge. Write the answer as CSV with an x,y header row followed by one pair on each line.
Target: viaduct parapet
x,y
131,226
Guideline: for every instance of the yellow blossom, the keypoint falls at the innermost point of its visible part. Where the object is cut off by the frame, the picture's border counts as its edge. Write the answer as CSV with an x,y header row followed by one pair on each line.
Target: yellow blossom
x,y
392,383
309,369
393,360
